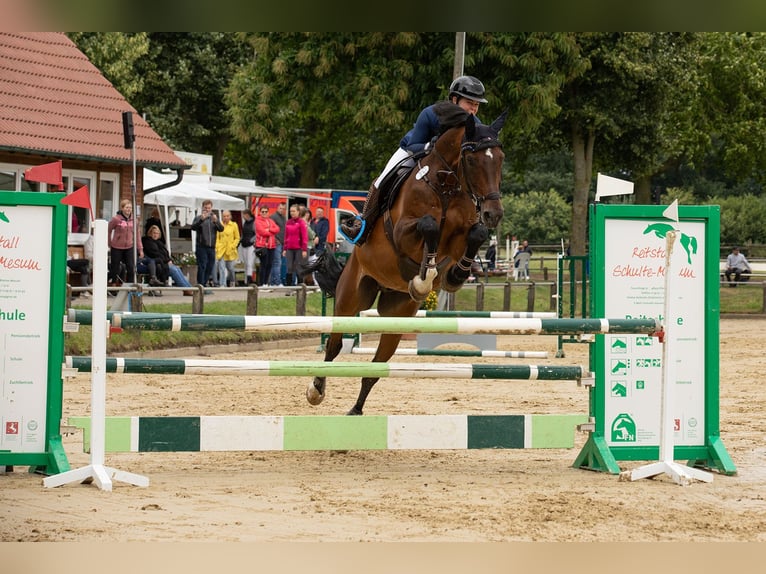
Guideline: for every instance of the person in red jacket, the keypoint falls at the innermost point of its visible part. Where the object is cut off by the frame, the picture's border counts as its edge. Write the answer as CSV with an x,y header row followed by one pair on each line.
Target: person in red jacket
x,y
266,230
296,246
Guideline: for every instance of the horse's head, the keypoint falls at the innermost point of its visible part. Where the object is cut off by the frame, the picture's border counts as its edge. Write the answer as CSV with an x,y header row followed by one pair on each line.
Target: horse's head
x,y
481,167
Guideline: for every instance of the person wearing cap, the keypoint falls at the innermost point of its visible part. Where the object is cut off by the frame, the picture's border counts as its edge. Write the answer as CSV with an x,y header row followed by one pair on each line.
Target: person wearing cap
x,y
467,92
736,264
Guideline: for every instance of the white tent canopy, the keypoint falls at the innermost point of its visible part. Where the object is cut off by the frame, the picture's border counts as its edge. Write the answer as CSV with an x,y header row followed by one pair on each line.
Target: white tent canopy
x,y
184,194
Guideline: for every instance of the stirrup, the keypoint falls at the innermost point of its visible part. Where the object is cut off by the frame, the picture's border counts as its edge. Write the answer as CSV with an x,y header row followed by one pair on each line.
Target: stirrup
x,y
358,235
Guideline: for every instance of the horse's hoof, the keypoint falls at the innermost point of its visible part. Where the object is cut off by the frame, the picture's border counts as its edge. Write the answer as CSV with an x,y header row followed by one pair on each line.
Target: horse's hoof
x,y
313,396
354,412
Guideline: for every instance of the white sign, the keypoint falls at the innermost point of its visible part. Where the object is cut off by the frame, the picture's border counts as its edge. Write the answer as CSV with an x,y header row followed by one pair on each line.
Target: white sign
x,y
25,283
634,288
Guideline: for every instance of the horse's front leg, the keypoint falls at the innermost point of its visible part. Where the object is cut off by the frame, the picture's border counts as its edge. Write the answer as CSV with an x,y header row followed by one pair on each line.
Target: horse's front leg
x,y
420,286
315,391
459,272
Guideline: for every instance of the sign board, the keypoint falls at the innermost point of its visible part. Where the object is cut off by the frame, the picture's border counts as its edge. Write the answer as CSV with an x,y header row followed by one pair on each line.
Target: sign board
x,y
628,250
33,252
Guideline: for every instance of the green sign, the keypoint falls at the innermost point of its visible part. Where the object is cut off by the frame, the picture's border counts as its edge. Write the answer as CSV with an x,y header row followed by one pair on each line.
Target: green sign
x,y
33,251
627,271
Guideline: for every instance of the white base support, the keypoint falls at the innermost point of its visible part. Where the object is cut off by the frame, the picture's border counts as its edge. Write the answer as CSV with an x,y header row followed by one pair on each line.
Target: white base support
x,y
681,474
101,475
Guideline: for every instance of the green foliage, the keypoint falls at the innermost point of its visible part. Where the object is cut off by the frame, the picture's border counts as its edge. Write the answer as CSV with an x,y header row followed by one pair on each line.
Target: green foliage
x,y
742,219
539,217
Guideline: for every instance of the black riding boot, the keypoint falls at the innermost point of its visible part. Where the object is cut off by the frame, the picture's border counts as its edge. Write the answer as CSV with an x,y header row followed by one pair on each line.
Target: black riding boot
x,y
370,211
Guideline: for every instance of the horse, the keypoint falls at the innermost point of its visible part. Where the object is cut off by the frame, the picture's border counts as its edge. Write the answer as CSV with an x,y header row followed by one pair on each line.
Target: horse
x,y
426,238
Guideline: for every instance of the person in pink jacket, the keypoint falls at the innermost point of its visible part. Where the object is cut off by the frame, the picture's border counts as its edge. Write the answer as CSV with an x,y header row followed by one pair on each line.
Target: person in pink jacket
x,y
121,233
266,230
295,248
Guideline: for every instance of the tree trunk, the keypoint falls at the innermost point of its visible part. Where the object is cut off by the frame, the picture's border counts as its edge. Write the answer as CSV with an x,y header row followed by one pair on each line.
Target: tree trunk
x,y
582,148
310,171
643,190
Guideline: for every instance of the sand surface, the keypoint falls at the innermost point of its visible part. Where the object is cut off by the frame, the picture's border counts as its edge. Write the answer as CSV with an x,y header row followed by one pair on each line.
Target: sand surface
x,y
467,496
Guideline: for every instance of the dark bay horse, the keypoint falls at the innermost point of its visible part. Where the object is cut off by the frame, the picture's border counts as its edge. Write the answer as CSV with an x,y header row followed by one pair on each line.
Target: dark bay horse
x,y
425,240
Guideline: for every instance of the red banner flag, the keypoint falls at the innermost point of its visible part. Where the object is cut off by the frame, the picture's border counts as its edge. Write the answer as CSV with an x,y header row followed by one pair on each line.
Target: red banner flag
x,y
49,173
79,198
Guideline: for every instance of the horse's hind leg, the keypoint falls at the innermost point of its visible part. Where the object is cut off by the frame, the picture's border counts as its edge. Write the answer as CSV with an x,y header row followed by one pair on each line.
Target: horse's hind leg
x,y
459,272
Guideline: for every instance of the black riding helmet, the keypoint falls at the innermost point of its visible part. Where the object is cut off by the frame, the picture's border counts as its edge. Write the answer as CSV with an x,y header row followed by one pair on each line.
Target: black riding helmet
x,y
468,87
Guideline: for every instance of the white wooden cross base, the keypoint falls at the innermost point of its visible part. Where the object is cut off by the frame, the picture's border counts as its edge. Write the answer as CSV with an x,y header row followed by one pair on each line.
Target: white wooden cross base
x,y
100,474
681,474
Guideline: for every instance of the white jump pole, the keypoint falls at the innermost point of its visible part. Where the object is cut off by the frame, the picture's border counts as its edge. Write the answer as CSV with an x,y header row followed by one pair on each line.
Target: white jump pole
x,y
681,474
100,474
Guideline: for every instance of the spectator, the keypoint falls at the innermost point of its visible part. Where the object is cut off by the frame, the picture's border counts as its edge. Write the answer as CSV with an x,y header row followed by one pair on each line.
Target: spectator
x,y
226,253
83,266
306,216
321,226
122,235
296,244
278,217
737,265
247,245
154,219
206,226
156,251
266,231
491,255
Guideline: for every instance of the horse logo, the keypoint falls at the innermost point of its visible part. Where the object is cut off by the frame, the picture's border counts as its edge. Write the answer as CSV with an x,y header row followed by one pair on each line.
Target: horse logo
x,y
688,242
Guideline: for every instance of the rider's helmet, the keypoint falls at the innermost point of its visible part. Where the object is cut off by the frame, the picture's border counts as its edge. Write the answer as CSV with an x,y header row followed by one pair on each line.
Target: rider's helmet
x,y
467,87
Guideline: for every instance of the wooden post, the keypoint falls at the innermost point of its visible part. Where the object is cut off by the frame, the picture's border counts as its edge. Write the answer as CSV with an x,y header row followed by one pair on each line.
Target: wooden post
x,y
198,300
252,300
300,301
531,298
480,296
507,296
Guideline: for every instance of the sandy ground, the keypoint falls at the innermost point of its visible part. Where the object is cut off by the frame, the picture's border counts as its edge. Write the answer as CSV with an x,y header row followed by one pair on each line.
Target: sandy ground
x,y
437,496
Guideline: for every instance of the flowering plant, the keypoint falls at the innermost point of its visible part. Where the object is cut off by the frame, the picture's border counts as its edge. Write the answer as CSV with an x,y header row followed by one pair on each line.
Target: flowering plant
x,y
185,259
431,302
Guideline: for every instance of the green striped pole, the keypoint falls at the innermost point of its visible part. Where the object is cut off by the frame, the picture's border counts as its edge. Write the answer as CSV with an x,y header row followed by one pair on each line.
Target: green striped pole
x,y
371,432
190,322
330,369
458,353
475,314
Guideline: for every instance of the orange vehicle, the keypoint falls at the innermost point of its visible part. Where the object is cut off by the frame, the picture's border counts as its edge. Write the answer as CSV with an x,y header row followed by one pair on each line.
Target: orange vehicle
x,y
338,205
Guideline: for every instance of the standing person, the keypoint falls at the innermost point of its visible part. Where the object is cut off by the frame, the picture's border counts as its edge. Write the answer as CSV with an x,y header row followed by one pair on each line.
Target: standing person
x,y
491,255
305,214
121,232
206,226
226,251
321,227
266,231
465,92
247,245
736,264
156,250
278,217
295,249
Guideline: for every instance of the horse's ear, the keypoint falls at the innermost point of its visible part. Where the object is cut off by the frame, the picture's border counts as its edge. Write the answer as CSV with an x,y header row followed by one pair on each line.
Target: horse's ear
x,y
498,124
470,128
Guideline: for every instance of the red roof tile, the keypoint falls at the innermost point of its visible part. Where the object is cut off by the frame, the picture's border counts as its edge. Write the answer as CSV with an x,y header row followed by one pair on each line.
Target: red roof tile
x,y
53,101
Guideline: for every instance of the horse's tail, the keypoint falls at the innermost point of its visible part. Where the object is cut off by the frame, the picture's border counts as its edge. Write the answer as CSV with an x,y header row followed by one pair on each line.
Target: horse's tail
x,y
326,269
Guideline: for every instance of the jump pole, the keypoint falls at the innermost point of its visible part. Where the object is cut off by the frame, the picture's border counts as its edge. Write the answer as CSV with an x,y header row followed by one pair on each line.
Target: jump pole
x,y
330,369
191,322
458,353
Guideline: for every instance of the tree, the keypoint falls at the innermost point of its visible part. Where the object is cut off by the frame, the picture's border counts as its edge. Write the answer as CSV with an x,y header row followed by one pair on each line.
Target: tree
x,y
341,100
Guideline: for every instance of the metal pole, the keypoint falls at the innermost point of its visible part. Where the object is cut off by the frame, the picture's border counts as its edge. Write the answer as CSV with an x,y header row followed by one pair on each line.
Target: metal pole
x,y
459,54
135,214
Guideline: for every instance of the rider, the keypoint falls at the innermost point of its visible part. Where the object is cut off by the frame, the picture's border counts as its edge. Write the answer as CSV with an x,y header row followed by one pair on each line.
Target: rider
x,y
465,91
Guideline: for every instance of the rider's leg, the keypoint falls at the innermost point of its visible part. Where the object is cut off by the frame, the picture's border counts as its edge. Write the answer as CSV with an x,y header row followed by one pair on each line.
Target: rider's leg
x,y
371,209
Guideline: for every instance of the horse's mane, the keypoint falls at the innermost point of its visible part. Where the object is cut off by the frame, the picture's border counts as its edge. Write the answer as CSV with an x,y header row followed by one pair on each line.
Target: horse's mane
x,y
450,115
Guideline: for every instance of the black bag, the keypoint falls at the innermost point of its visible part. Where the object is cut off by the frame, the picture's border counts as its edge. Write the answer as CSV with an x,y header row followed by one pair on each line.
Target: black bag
x,y
260,252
